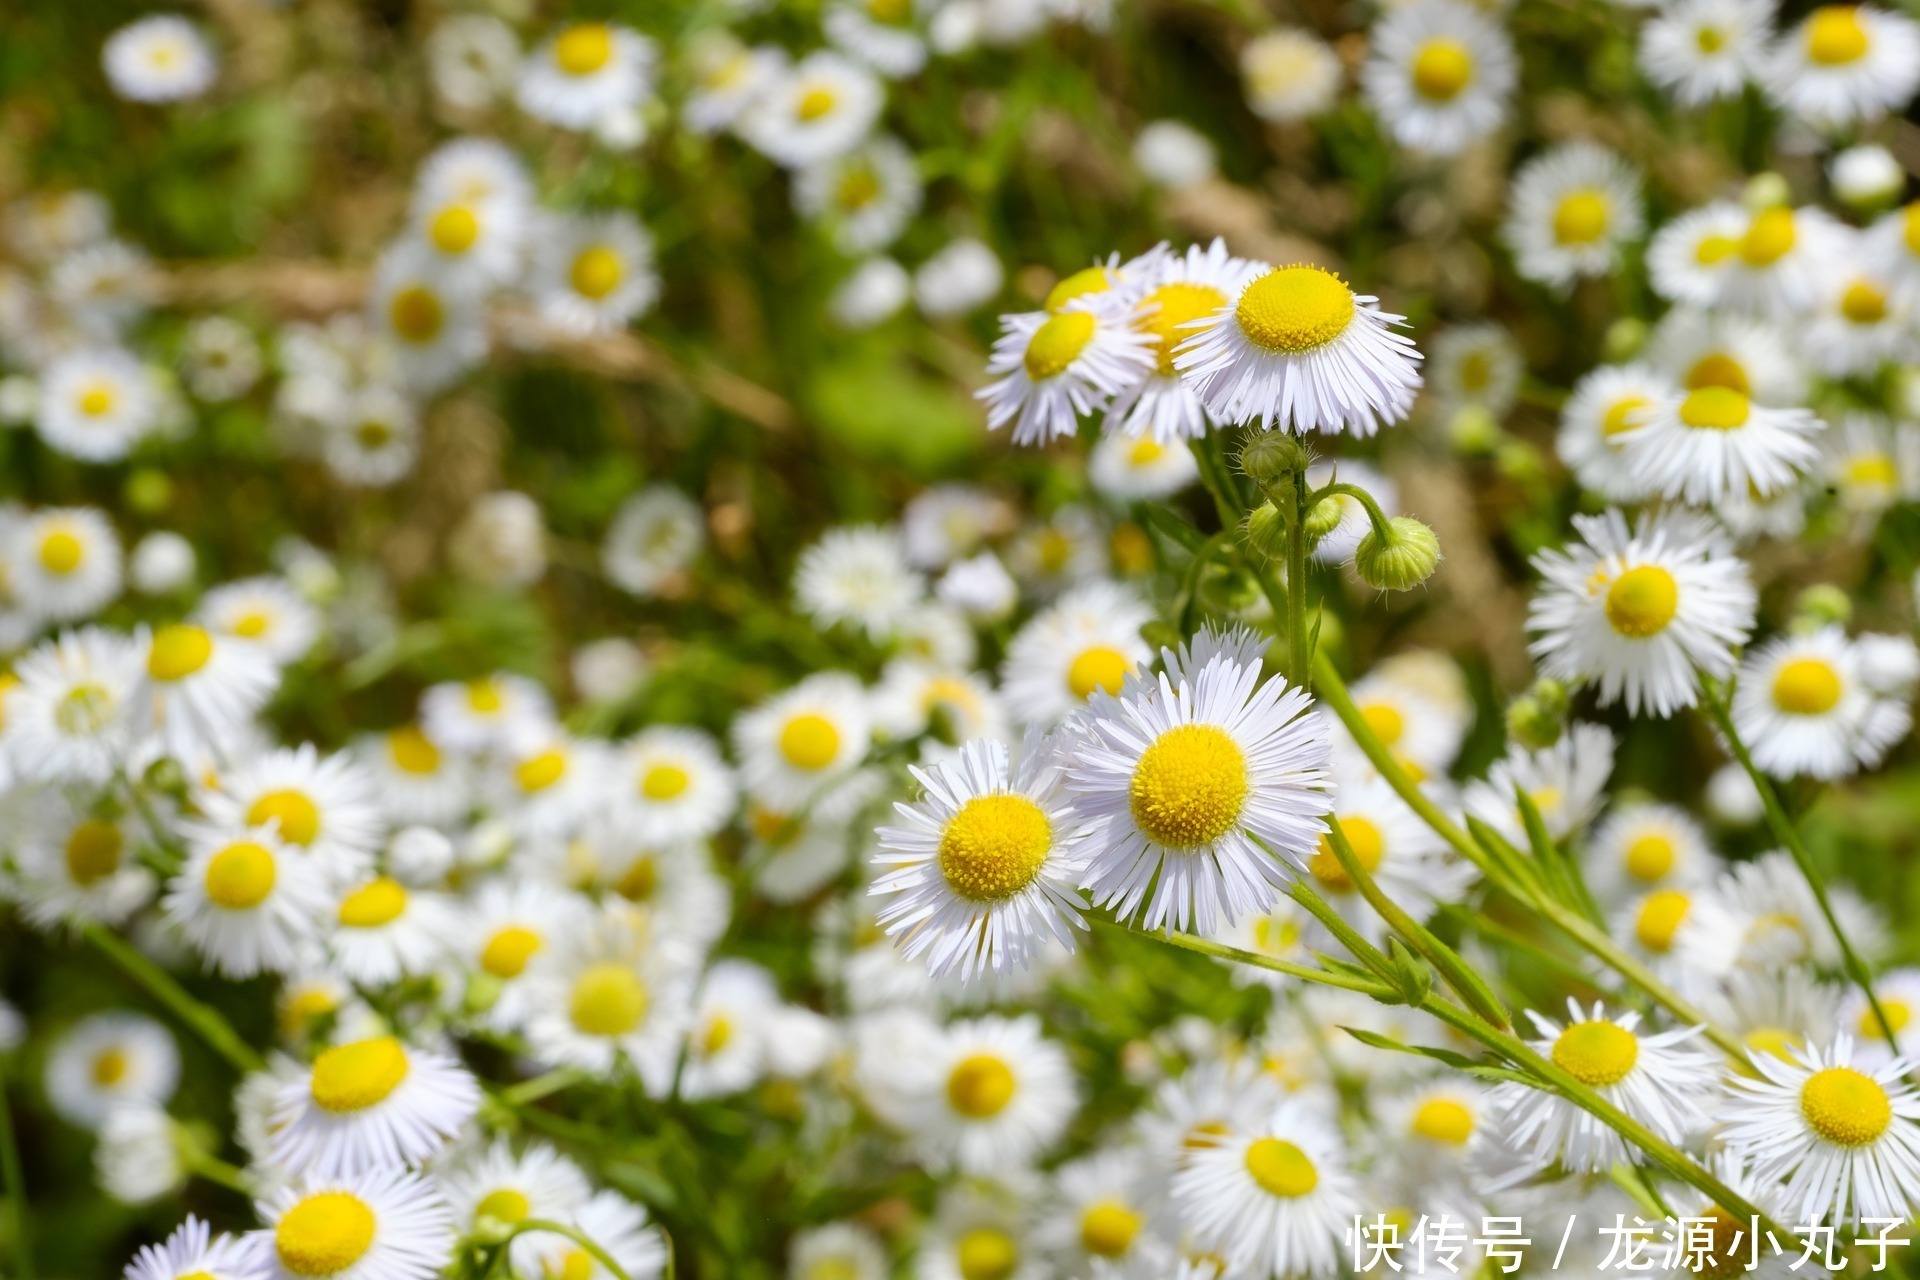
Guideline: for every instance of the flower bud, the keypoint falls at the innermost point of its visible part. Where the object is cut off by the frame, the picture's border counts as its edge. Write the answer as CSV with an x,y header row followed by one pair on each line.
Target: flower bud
x,y
1472,431
1765,191
1266,532
1272,456
1624,338
1820,605
1401,561
1532,724
1323,519
1550,694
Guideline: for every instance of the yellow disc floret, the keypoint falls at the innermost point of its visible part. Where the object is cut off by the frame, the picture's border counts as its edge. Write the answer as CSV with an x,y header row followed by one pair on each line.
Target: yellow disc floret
x,y
664,782
1087,280
353,1077
93,851
294,811
1582,217
608,999
1806,687
980,1087
596,272
1769,237
1097,668
1715,409
412,751
1368,846
538,772
1281,1169
1189,786
1596,1053
178,651
324,1234
1660,918
810,742
1107,1229
454,229
583,48
1172,308
1835,36
416,314
1846,1107
505,1205
1650,858
61,553
986,1254
994,847
1864,303
1295,309
1443,1120
1442,69
377,902
508,950
1057,343
240,876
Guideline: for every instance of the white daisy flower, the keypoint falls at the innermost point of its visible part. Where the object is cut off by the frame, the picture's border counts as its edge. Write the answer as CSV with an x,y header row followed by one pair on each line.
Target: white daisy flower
x,y
1198,795
246,901
1175,292
414,780
987,1096
1087,642
1871,463
374,439
817,109
1846,63
1697,349
872,294
1474,364
980,1229
370,1104
1139,468
1174,155
1422,728
202,690
546,786
962,276
1787,925
594,274
673,889
1843,1138
1440,74
383,1224
1702,51
1427,1127
471,237
266,611
191,1250
857,575
1056,367
653,539
980,588
382,931
604,994
1646,846
1289,74
160,58
1642,611
1659,1080
1274,1201
431,321
1564,781
1802,707
678,787
63,563
107,1061
1605,405
1297,349
726,1049
503,928
1783,261
794,855
162,563
1571,210
1703,446
864,197
96,404
473,171
1898,993
883,34
73,867
1890,249
495,712
473,58
1773,1012
1410,863
72,716
586,72
837,1251
1861,324
509,1189
618,1226
728,77
794,745
987,867
1690,258
1097,1220
321,805
917,696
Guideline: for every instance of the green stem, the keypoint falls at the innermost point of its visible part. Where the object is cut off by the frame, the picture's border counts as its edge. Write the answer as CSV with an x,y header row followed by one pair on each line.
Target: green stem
x,y
540,1086
598,1254
203,1019
1306,973
1218,479
203,1164
1789,836
1375,516
1299,659
15,1184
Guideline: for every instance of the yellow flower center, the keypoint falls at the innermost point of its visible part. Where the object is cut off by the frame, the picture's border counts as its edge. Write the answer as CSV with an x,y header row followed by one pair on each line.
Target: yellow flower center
x,y
416,314
1709,39
1835,36
575,1264
1107,1229
1715,409
1864,303
1078,285
61,553
1188,789
93,851
1295,309
1846,1107
412,752
178,651
596,272
454,229
1442,69
1806,687
583,48
1057,343
1774,1040
810,742
987,1254
1642,601
324,1234
1443,1120
1898,1012
1769,237
1281,1169
484,697
639,880
377,902
980,1087
664,782
1596,1053
537,773
1715,249
250,626
1097,668
1476,371
994,847
240,876
1910,227
1385,721
1661,916
97,400
298,816
508,950
1719,369
1174,307
505,1205
608,999
1368,846
1872,470
352,1077
857,189
718,1034
1582,217
1144,452
1623,414
109,1067
816,102
1650,858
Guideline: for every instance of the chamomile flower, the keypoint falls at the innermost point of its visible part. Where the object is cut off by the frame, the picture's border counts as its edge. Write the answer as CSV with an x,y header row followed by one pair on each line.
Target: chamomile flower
x,y
1861,324
383,930
160,58
1474,364
370,1104
1297,349
960,277
1641,611
63,563
1055,367
798,743
110,1060
475,171
1202,799
863,198
546,785
73,715
1175,292
836,1251
817,109
266,611
616,1225
1137,468
246,902
1273,1201
726,1049
96,404
1571,210
191,1250
1439,75
1564,782
1845,63
1097,1220
858,576
595,274
653,539
1843,1138
1701,51
1781,262
322,806
1647,846
795,854
1703,446
604,995
1289,74
987,1096
1658,1080
1802,707
383,1224
432,321
1399,851
586,72
71,866
1605,405
677,787
1691,256
539,1182
494,712
921,696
